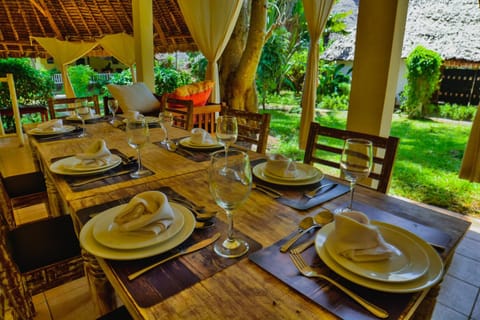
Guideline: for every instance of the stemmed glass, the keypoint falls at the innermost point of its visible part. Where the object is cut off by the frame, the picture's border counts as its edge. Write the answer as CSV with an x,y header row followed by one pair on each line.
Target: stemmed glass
x,y
113,107
166,121
227,131
356,162
138,135
230,184
83,111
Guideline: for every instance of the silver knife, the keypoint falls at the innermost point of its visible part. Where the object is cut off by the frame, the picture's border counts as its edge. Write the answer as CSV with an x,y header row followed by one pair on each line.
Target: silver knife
x,y
197,246
83,182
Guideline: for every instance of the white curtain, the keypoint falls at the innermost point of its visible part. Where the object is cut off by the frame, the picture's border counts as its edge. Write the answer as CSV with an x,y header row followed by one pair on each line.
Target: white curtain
x,y
64,53
470,169
122,47
316,14
211,23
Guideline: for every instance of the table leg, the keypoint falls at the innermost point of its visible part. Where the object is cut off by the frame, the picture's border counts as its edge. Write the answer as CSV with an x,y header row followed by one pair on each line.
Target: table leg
x,y
102,292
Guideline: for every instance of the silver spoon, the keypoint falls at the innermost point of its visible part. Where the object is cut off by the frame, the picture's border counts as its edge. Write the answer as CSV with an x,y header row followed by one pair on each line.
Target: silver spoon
x,y
173,147
321,218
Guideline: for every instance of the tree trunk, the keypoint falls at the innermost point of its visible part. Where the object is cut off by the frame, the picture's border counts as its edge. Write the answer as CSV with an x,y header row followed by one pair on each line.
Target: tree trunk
x,y
238,65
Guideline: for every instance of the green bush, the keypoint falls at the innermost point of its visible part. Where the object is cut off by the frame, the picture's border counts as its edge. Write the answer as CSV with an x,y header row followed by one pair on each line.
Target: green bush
x,y
80,76
31,85
457,112
423,75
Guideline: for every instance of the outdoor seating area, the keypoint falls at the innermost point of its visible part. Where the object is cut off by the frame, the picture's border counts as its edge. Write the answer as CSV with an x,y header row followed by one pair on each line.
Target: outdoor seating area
x,y
142,202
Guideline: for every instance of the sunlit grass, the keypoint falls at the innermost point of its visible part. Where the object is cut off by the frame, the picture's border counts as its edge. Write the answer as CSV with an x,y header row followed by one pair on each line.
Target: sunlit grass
x,y
427,164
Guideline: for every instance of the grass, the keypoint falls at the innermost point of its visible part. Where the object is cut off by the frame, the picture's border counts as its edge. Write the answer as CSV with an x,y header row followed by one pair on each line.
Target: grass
x,y
427,164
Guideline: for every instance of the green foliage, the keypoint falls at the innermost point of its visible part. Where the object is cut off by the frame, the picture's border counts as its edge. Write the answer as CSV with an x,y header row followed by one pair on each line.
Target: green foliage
x,y
457,112
333,102
80,76
423,75
122,78
167,79
31,85
198,65
333,81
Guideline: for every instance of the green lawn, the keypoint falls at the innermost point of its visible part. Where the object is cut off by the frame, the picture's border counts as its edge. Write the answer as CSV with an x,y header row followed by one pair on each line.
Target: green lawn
x,y
427,164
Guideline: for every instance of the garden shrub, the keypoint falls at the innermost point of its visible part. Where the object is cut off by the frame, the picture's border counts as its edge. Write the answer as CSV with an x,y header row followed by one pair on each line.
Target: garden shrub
x,y
423,79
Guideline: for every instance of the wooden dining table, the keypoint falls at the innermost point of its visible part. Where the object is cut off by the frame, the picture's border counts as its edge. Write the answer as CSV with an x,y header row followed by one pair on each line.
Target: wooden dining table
x,y
264,284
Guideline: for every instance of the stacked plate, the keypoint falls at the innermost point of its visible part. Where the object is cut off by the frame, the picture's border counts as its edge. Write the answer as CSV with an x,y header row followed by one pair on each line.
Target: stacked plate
x,y
100,236
185,142
305,175
51,131
414,266
74,166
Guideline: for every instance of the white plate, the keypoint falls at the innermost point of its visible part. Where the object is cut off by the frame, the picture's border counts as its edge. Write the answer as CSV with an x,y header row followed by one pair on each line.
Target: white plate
x,y
64,166
259,172
408,263
186,143
430,278
108,233
75,164
62,130
89,243
303,172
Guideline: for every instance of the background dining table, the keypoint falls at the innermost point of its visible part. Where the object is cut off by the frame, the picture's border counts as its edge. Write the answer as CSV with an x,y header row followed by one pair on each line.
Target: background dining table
x,y
263,284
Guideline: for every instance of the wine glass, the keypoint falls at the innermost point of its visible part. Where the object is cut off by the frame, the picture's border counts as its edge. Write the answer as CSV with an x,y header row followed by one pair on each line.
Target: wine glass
x,y
356,162
83,111
113,107
166,121
227,131
138,135
230,184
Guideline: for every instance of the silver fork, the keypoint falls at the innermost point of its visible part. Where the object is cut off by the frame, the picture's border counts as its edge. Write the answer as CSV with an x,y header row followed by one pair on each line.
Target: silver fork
x,y
313,193
310,272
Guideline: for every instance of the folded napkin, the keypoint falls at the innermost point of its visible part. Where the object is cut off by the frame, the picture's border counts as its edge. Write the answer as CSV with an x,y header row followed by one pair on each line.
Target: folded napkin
x,y
148,212
96,154
51,125
281,166
356,239
199,136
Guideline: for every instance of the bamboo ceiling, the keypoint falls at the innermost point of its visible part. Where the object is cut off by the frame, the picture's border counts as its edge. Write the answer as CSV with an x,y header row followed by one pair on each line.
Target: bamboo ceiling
x,y
87,20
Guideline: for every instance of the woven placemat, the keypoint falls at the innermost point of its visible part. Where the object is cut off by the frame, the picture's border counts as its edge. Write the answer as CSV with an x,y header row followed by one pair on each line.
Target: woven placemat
x,y
173,276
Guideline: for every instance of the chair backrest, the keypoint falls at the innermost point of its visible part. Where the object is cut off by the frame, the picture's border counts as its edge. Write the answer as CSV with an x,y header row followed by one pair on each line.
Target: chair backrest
x,y
182,116
61,107
325,145
20,191
253,128
15,298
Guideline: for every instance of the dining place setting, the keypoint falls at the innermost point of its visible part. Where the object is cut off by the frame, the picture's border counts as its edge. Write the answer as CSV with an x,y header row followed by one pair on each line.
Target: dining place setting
x,y
298,185
370,256
95,166
54,129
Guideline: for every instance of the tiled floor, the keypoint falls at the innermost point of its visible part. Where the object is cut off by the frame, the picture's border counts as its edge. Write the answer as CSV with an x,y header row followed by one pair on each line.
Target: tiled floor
x,y
458,299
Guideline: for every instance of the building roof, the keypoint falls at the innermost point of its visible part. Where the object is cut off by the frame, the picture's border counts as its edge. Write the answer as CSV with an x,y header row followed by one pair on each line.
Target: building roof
x,y
85,20
449,27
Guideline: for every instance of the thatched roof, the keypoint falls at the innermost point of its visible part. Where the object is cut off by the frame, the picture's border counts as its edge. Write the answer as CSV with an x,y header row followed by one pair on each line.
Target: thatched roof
x,y
449,27
86,20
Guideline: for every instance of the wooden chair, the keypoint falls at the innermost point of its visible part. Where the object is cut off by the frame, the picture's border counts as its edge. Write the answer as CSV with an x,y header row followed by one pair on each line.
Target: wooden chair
x,y
46,251
203,116
253,128
324,146
61,107
27,109
21,191
182,117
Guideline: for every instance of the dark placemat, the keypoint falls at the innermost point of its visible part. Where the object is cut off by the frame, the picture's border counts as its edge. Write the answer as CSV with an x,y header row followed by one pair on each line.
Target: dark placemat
x,y
127,165
196,155
173,276
330,298
87,121
69,135
292,196
279,265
